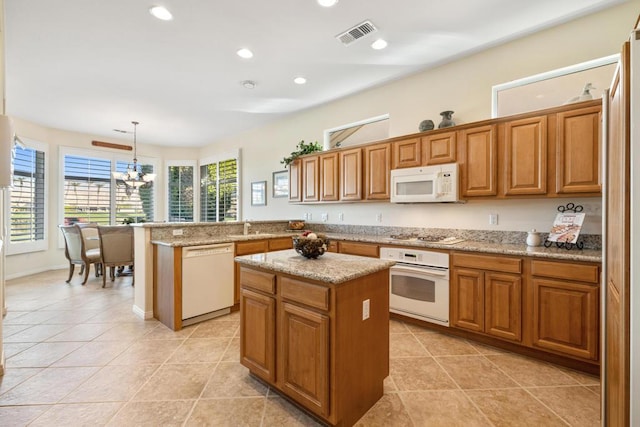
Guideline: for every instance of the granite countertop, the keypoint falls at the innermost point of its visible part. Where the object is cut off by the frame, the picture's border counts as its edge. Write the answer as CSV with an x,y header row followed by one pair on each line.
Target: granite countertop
x,y
586,255
330,268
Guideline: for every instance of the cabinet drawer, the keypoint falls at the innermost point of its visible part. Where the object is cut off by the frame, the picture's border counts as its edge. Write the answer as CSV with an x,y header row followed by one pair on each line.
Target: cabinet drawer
x,y
503,264
566,270
252,247
355,248
305,293
258,280
280,243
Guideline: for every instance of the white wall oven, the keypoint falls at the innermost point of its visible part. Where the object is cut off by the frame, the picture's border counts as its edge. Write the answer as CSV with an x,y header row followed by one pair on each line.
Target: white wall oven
x,y
419,284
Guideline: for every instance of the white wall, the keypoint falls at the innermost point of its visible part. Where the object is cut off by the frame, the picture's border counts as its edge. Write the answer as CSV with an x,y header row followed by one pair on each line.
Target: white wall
x,y
463,86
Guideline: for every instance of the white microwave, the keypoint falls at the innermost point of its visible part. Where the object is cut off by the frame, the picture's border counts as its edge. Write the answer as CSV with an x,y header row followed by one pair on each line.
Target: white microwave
x,y
425,184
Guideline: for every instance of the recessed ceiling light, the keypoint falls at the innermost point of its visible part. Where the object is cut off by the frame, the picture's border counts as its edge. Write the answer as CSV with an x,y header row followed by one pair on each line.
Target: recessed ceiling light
x,y
379,44
327,3
245,53
248,84
300,80
161,12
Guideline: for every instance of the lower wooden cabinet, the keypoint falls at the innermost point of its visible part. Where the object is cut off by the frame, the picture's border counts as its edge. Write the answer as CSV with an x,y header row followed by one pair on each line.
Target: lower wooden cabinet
x,y
359,248
566,312
257,345
488,302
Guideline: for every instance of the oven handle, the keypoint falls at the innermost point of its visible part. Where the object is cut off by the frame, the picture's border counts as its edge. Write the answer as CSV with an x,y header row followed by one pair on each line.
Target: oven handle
x,y
418,270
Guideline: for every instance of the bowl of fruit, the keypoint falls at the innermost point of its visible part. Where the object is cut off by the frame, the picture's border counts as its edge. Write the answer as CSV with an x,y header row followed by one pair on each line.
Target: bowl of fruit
x,y
310,244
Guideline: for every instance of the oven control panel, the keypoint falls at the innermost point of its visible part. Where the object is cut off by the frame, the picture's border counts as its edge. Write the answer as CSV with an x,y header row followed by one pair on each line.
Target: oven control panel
x,y
417,257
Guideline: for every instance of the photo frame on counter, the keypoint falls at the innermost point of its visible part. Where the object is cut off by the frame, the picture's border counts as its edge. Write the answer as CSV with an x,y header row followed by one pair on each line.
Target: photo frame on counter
x,y
259,193
280,184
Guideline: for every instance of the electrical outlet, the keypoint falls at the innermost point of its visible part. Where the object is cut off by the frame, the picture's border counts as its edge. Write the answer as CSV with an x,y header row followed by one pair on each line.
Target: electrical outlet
x,y
341,216
325,217
309,216
379,217
178,232
365,309
493,219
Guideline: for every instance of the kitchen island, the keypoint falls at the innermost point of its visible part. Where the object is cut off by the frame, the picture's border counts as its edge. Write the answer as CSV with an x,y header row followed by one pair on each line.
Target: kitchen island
x,y
317,330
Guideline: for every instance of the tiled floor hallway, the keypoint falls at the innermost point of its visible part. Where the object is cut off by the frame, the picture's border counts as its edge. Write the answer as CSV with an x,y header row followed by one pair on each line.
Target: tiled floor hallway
x,y
77,356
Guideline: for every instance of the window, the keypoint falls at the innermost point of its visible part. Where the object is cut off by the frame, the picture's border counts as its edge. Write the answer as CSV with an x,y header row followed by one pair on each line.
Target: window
x,y
180,199
219,191
91,194
28,213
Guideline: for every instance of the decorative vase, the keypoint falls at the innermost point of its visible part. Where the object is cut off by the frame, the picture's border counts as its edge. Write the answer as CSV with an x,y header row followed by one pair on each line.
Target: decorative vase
x,y
426,125
446,120
534,238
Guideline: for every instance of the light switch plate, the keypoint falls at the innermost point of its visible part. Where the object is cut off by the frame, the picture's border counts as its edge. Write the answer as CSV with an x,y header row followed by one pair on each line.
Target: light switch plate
x,y
325,217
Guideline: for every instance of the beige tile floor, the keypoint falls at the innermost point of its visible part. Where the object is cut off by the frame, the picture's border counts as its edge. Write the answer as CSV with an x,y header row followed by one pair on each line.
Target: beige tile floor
x,y
77,355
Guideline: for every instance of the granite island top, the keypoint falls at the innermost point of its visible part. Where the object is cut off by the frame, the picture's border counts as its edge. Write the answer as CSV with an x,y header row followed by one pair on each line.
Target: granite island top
x,y
332,268
586,255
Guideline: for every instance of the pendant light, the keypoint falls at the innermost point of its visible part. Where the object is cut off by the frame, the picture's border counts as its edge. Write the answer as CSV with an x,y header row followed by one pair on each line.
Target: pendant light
x,y
134,177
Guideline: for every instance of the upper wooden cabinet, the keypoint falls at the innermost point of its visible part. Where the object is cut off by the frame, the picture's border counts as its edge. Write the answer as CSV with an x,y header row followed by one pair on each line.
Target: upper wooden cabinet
x,y
310,178
439,148
295,181
578,151
406,153
377,169
329,176
479,161
525,158
351,174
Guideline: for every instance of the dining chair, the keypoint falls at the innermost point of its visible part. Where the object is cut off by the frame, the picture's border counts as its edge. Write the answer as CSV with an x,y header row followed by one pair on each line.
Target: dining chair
x,y
77,253
116,248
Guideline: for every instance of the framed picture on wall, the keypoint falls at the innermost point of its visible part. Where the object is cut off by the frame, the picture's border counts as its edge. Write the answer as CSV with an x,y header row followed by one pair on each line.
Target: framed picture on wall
x,y
259,193
281,184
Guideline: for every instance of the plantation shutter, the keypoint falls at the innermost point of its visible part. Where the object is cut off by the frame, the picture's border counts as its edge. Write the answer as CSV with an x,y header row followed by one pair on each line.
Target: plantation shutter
x,y
219,191
180,197
87,189
27,219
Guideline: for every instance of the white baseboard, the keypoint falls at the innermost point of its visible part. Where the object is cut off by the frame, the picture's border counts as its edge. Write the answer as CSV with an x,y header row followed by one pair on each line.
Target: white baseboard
x,y
24,273
145,315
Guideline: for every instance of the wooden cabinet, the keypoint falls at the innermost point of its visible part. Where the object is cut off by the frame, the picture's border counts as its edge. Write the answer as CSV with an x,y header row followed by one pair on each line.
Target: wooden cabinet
x,y
329,177
359,248
307,340
295,181
525,157
351,174
310,179
280,243
566,308
377,169
479,161
439,148
406,153
250,247
486,295
578,151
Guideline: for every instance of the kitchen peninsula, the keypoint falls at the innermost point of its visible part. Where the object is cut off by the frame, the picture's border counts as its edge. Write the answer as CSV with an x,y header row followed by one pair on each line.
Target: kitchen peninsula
x,y
317,330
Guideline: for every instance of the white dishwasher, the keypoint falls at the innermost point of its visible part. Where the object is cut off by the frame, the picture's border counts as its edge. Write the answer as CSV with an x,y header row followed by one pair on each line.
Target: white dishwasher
x,y
207,281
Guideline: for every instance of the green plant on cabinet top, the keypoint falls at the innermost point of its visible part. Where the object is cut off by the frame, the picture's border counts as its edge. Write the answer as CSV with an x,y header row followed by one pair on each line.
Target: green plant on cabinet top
x,y
302,149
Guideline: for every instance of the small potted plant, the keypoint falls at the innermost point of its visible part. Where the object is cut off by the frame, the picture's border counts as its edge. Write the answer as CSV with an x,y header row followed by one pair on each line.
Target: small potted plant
x,y
302,149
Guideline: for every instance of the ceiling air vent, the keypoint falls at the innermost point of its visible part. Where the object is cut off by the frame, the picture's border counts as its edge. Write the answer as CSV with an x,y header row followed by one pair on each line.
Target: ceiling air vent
x,y
356,33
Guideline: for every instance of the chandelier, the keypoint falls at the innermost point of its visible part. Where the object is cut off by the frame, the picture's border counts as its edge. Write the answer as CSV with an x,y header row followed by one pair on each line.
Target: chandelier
x,y
134,176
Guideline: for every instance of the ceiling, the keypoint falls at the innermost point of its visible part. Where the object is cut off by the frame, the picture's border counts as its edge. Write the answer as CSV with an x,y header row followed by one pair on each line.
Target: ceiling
x,y
91,66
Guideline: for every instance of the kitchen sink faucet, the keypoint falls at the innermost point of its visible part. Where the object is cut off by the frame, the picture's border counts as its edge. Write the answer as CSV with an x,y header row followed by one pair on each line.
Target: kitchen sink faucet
x,y
246,228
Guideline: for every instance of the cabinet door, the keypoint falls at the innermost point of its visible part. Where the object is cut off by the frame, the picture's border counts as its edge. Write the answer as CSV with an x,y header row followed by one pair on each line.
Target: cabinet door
x,y
578,151
503,306
304,356
351,174
257,332
439,148
478,148
406,153
295,181
377,167
467,299
329,177
357,248
565,317
310,178
525,156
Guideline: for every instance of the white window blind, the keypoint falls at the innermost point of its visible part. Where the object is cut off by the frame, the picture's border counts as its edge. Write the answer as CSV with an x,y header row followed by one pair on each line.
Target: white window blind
x,y
28,213
180,197
91,194
219,191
